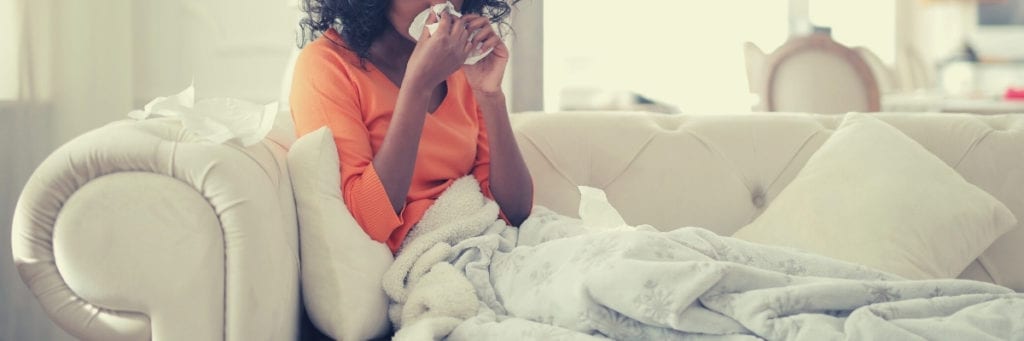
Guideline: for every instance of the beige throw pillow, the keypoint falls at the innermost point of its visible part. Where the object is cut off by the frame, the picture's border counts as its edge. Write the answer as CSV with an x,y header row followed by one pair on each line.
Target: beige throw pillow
x,y
342,267
873,196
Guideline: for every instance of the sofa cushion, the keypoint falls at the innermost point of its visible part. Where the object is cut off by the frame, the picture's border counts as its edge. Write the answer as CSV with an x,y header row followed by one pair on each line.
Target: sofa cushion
x,y
342,267
871,195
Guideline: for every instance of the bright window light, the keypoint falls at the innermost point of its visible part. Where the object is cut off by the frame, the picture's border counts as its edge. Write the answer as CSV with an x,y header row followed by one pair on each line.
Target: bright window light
x,y
685,53
867,23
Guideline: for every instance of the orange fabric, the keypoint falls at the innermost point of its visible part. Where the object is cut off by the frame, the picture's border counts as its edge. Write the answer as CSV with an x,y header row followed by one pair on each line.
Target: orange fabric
x,y
356,101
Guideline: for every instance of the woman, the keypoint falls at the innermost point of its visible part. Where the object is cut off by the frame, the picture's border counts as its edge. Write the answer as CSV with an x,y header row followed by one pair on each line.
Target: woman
x,y
408,118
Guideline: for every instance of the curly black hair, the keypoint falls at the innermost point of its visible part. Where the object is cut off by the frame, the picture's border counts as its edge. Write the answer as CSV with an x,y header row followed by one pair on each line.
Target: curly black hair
x,y
360,22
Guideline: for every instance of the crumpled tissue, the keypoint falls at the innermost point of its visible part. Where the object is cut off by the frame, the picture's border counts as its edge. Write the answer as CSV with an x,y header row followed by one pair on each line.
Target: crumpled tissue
x,y
218,120
597,213
418,23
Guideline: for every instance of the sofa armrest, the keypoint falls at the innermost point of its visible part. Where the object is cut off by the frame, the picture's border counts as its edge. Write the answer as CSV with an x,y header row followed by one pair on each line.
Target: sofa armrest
x,y
138,230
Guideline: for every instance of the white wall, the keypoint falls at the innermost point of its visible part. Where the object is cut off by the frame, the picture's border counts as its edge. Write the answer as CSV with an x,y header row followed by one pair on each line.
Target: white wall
x,y
526,67
941,27
233,48
91,84
112,56
936,29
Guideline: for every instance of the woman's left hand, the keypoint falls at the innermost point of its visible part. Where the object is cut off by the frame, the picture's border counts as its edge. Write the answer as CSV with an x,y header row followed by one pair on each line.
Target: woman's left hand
x,y
486,75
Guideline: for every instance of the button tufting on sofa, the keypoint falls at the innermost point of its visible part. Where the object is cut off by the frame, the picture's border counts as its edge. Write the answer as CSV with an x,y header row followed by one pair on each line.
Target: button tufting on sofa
x,y
757,198
723,170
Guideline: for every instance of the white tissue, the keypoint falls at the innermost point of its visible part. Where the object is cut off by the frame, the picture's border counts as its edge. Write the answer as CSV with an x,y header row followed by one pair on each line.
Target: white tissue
x,y
217,119
597,213
418,23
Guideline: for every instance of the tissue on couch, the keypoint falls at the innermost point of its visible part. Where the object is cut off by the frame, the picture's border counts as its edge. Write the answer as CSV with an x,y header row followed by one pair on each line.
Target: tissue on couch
x,y
216,119
596,212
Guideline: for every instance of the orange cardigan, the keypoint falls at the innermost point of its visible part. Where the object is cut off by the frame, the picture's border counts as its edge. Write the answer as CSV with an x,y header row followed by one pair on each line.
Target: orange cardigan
x,y
331,88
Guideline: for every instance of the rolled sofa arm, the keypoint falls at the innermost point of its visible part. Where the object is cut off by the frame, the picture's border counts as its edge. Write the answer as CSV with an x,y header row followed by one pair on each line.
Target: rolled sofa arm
x,y
138,230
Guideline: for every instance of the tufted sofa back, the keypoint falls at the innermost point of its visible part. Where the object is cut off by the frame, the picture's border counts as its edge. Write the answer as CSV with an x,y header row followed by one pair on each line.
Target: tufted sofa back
x,y
720,171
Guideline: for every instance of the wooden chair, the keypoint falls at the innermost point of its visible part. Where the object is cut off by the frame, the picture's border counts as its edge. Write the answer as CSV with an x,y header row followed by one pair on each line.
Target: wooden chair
x,y
816,74
886,77
755,59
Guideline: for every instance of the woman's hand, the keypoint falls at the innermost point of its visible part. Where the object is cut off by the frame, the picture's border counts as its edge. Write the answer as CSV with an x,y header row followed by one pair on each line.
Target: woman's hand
x,y
439,55
486,75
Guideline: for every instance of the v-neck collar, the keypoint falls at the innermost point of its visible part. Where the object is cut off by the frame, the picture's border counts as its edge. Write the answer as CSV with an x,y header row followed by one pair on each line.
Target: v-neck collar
x,y
396,88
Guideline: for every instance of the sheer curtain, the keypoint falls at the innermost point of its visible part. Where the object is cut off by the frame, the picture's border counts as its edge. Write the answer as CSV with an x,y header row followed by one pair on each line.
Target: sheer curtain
x,y
67,69
24,139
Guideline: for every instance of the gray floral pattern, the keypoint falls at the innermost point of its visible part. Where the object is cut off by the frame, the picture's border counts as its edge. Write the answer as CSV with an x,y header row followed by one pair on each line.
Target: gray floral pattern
x,y
653,301
881,293
610,323
630,285
561,282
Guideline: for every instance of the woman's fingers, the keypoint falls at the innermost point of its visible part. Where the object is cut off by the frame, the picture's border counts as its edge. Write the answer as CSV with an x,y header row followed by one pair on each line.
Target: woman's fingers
x,y
469,46
463,35
483,35
426,31
459,30
476,22
447,23
490,43
432,19
425,34
478,27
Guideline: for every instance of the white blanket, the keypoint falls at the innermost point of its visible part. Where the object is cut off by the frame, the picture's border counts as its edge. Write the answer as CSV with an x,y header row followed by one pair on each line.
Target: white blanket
x,y
465,275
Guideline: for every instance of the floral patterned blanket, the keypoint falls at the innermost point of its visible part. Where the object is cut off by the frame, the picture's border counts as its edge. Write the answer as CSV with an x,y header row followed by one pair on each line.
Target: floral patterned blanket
x,y
554,278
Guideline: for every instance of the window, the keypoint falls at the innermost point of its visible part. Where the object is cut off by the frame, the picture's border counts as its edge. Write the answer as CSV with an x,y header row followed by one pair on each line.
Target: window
x,y
688,54
9,32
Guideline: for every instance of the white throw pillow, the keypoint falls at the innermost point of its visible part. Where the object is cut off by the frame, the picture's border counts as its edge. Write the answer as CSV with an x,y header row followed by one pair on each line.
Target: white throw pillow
x,y
342,267
873,196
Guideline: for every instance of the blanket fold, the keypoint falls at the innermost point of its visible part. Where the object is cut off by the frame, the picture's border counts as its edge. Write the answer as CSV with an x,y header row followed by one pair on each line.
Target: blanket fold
x,y
460,213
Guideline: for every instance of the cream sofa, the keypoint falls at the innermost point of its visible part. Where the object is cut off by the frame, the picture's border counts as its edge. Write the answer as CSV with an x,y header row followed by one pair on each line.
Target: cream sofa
x,y
138,230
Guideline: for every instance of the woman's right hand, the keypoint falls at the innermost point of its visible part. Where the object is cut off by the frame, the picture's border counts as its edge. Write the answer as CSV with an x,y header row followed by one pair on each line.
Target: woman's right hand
x,y
439,55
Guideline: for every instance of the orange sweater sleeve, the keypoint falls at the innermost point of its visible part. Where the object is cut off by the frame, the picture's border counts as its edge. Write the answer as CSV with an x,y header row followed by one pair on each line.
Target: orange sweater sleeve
x,y
325,94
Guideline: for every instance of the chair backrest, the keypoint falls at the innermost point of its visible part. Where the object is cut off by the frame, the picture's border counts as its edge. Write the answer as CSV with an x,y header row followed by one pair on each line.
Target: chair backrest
x,y
885,76
755,58
815,74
